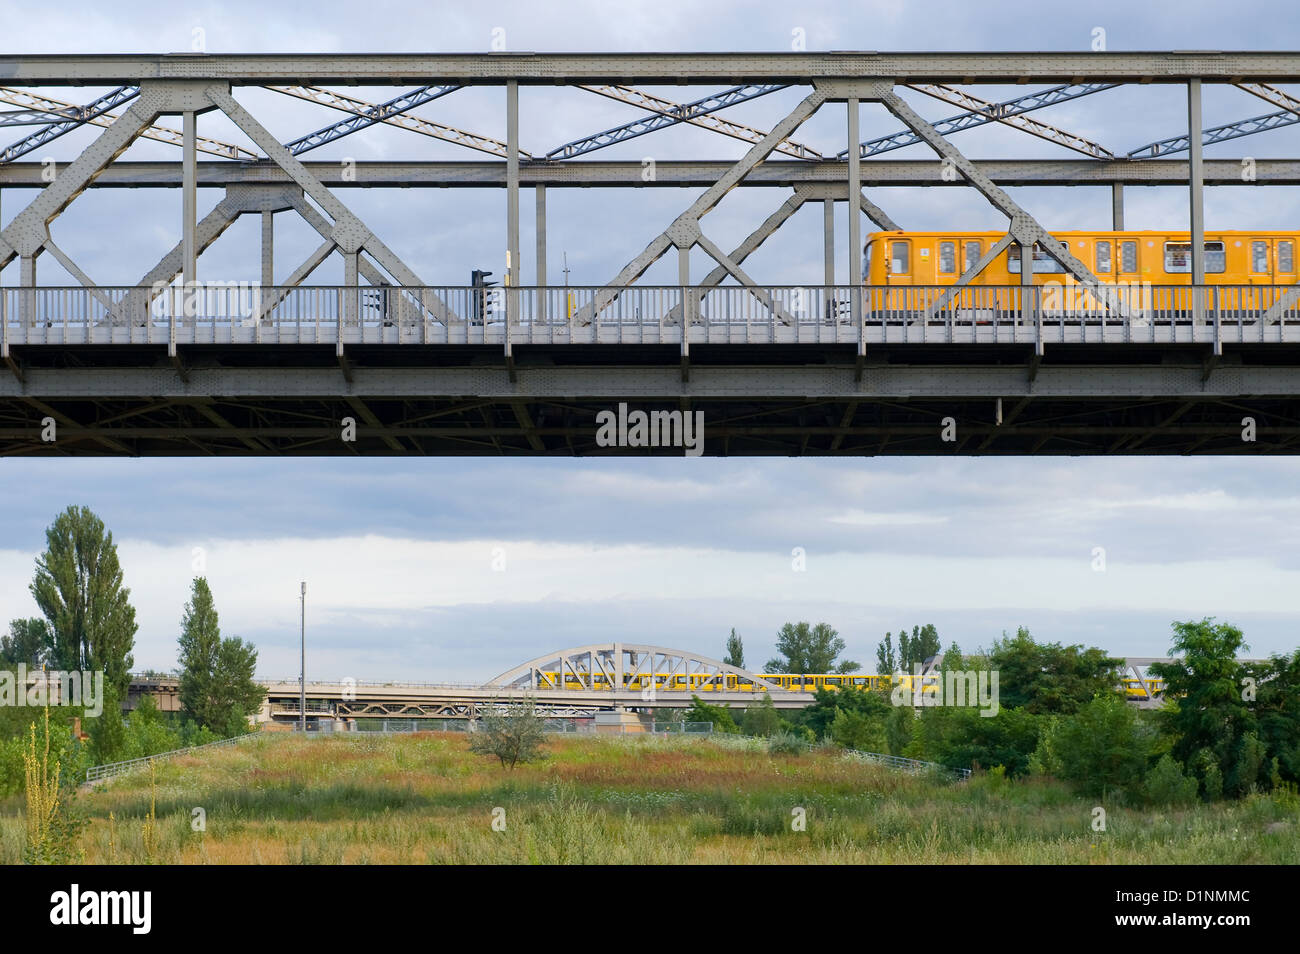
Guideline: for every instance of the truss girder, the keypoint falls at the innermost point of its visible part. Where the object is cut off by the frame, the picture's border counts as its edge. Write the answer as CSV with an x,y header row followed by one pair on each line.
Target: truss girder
x,y
684,232
78,118
392,113
1237,130
173,137
29,230
700,112
1024,227
366,114
349,233
1013,117
987,113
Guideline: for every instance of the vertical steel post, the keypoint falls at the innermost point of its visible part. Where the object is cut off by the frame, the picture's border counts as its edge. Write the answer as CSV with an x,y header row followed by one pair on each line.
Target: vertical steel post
x,y
1026,282
828,244
540,228
1196,181
268,249
855,224
684,282
512,199
189,201
1117,207
302,674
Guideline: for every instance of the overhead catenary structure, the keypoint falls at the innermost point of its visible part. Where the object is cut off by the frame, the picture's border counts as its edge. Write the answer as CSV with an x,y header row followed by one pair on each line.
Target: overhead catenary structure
x,y
418,372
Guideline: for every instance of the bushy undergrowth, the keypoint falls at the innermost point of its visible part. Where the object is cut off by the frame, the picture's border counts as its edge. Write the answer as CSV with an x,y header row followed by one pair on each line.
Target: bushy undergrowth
x,y
427,799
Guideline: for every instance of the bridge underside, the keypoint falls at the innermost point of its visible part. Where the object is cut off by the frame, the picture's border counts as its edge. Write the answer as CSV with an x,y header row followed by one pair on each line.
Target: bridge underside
x,y
268,400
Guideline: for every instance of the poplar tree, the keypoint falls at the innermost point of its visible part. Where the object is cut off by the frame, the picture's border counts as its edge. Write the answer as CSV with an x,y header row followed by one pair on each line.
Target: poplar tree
x,y
78,587
216,686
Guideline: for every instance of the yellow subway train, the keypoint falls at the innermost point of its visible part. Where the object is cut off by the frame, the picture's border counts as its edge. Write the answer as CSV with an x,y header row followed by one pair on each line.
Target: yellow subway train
x,y
906,272
792,682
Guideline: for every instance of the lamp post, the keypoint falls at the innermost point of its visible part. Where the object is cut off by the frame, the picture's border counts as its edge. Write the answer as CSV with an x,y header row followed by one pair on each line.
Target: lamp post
x,y
302,673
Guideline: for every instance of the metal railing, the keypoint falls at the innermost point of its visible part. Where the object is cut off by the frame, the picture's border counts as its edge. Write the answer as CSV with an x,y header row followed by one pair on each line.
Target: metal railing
x,y
1056,312
910,765
98,772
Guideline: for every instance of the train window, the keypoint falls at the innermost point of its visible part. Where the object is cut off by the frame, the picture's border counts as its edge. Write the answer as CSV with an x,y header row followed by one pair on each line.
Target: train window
x,y
947,257
1103,256
1043,263
1259,257
971,255
1128,256
1285,257
866,260
901,255
1178,257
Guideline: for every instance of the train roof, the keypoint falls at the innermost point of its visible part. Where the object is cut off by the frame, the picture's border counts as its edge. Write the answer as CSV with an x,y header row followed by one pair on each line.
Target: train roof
x,y
1152,233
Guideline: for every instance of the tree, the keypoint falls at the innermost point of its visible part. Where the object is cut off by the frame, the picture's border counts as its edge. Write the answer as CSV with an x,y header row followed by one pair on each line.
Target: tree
x,y
217,687
1097,749
735,651
78,587
720,716
1277,711
886,659
809,649
514,732
29,642
1050,678
829,703
961,737
108,741
762,719
916,649
1209,716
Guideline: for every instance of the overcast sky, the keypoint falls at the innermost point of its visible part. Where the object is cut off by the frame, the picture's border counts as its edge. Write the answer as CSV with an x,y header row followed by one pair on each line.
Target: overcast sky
x,y
400,555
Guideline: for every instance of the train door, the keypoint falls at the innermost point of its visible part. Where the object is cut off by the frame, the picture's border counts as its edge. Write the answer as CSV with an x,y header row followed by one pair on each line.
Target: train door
x,y
1261,262
899,262
924,267
1284,263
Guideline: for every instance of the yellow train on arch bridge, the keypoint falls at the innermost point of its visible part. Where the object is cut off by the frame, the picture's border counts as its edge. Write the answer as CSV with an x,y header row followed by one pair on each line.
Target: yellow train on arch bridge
x,y
909,273
699,682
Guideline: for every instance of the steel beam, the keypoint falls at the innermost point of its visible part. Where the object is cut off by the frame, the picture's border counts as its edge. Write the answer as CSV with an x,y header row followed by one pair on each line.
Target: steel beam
x,y
663,382
670,174
381,69
1195,182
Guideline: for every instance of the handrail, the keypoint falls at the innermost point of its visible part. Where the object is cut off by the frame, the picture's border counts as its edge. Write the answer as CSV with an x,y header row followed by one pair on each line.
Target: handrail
x,y
99,772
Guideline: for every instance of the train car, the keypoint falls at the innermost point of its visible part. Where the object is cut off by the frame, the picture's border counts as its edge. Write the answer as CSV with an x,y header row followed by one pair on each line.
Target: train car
x,y
907,272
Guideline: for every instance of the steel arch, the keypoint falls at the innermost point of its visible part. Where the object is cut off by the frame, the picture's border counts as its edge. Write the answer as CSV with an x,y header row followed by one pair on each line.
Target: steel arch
x,y
613,661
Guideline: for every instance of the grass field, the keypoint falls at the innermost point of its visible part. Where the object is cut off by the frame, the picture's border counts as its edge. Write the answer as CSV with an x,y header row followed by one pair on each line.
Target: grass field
x,y
425,798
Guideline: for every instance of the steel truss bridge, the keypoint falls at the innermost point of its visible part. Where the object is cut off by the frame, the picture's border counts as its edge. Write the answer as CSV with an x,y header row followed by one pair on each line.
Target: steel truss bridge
x,y
273,365
575,682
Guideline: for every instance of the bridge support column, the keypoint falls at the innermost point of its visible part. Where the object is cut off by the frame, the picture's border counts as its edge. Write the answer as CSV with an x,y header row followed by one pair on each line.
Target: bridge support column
x,y
1117,208
189,201
268,249
512,202
855,228
1196,196
828,241
539,229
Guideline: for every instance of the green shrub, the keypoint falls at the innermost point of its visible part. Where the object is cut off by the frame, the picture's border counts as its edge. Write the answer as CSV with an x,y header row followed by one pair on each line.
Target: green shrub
x,y
1167,785
786,743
